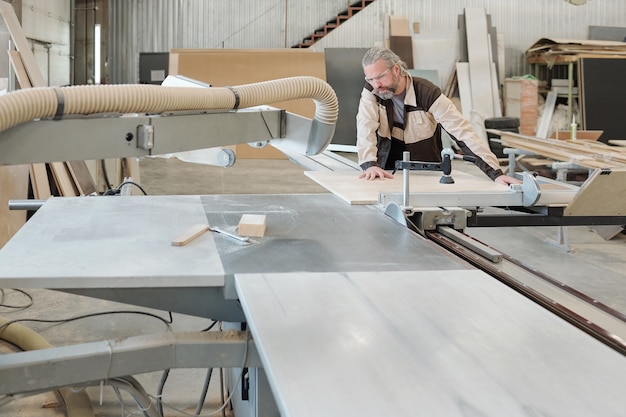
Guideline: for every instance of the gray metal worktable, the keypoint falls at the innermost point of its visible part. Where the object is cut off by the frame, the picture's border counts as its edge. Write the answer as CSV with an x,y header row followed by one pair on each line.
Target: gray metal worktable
x,y
431,343
118,248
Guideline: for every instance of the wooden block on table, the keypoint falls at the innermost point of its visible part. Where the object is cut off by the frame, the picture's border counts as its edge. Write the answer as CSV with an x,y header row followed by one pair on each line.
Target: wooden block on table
x,y
190,234
252,225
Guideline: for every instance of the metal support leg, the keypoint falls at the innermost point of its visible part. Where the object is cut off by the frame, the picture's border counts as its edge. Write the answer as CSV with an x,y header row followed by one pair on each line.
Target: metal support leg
x,y
562,240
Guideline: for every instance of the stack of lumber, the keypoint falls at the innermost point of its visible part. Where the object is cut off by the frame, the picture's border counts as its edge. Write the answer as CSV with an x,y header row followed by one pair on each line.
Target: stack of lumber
x,y
43,180
400,40
479,85
601,87
551,48
585,153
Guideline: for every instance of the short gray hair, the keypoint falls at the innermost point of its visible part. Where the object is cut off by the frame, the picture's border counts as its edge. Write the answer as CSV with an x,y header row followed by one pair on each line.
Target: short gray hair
x,y
387,55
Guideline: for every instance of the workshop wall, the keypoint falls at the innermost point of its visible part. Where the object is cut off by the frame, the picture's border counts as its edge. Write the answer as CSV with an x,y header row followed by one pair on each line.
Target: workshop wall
x,y
161,25
46,25
520,22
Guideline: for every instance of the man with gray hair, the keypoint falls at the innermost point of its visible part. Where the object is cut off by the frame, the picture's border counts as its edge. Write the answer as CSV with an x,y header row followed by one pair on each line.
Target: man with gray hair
x,y
399,113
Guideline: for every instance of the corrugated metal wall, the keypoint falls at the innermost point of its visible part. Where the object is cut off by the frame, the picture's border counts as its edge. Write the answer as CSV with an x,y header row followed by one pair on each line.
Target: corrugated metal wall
x,y
46,25
521,22
160,25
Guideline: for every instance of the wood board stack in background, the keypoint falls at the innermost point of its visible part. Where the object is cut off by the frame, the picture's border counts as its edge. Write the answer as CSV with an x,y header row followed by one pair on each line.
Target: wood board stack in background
x,y
478,72
585,153
42,180
15,179
601,88
521,101
400,40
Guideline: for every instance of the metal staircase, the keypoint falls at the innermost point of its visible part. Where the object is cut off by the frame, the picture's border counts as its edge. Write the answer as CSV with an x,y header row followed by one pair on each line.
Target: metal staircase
x,y
342,17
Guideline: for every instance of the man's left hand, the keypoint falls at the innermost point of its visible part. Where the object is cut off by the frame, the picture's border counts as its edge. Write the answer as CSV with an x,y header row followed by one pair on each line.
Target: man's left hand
x,y
506,180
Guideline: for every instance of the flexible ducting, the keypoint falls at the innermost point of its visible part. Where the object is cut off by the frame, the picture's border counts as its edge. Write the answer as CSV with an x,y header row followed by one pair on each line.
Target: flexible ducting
x,y
55,102
77,404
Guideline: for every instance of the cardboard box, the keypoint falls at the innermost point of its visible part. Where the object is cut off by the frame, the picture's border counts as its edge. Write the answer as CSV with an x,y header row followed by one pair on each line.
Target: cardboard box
x,y
580,134
520,100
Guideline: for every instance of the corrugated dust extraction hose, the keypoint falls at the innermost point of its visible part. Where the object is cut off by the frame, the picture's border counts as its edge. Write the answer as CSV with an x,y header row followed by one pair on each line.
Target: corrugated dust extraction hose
x,y
77,404
55,102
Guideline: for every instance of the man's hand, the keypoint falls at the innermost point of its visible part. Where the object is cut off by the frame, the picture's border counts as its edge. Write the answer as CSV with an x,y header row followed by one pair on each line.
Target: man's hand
x,y
374,172
506,180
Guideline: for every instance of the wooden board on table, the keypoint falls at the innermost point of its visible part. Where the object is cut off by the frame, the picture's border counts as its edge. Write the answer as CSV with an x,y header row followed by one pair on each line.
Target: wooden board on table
x,y
603,194
349,187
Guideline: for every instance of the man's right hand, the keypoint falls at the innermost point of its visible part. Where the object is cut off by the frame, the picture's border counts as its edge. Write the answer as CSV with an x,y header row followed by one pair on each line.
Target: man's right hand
x,y
374,172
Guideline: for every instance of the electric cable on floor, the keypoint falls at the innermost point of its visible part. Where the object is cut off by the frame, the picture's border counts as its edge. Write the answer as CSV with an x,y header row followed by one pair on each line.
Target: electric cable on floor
x,y
205,387
8,323
77,404
22,307
227,400
159,396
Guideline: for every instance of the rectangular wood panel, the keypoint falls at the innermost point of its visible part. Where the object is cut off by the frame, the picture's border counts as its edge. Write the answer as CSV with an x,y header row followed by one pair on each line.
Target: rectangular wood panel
x,y
604,95
350,188
603,194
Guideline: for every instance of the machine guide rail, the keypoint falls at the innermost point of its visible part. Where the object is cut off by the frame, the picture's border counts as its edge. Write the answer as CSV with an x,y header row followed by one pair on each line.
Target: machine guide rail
x,y
589,315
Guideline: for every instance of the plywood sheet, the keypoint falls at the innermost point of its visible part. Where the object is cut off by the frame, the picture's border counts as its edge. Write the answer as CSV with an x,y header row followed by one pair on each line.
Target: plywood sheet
x,y
479,55
399,26
233,67
350,188
603,194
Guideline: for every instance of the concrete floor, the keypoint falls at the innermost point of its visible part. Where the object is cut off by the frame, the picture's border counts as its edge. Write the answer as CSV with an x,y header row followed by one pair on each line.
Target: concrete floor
x,y
593,265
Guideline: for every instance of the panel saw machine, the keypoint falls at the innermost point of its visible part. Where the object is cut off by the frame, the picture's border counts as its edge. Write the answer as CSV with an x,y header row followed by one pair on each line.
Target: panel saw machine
x,y
339,309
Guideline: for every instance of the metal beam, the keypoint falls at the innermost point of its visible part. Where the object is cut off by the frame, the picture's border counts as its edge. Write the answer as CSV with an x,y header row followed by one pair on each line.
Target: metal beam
x,y
116,136
47,369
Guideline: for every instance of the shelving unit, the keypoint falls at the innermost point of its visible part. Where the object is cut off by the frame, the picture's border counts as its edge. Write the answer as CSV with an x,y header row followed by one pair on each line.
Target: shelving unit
x,y
544,66
544,69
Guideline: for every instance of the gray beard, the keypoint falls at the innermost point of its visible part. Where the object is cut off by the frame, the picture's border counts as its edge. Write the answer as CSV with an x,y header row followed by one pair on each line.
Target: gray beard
x,y
387,95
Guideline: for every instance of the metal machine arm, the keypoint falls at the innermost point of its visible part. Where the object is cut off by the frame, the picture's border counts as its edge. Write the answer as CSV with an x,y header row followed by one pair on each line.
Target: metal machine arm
x,y
202,118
